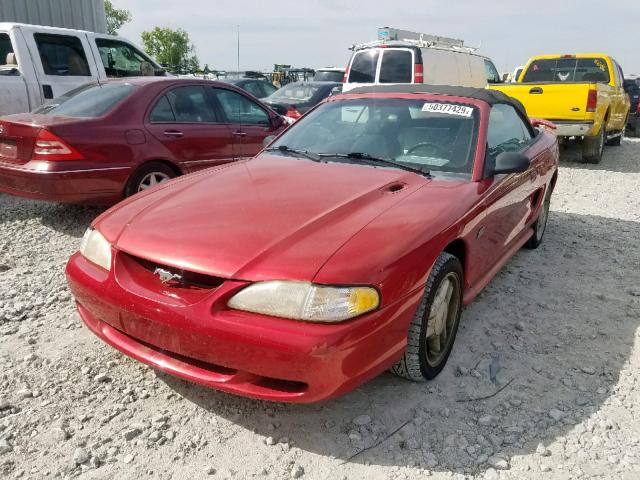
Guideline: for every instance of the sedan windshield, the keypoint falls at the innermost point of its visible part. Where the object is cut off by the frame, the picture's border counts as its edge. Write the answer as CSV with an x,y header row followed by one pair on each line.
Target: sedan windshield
x,y
88,101
424,135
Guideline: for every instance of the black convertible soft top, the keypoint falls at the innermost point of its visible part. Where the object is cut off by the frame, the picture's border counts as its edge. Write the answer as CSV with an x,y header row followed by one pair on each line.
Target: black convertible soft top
x,y
488,96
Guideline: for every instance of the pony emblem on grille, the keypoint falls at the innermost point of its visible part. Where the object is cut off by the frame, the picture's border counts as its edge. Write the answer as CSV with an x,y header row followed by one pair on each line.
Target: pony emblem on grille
x,y
166,276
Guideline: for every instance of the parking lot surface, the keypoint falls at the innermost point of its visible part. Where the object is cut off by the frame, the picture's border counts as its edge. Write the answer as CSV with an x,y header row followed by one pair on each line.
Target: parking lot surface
x,y
559,325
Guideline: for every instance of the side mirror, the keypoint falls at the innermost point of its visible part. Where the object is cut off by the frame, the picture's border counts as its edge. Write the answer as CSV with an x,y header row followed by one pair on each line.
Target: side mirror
x,y
511,162
267,140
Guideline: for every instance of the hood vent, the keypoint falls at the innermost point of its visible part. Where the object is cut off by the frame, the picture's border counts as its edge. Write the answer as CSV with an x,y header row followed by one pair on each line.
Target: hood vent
x,y
394,187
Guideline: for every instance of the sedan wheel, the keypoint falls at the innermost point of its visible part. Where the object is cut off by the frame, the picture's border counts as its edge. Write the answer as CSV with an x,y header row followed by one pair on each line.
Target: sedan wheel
x,y
147,176
435,323
152,179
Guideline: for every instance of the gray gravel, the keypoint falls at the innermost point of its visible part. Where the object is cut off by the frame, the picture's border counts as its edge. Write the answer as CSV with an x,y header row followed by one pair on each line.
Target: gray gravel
x,y
558,327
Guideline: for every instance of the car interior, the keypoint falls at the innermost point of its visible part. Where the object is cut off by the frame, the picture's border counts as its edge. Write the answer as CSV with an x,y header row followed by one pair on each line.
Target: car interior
x,y
403,133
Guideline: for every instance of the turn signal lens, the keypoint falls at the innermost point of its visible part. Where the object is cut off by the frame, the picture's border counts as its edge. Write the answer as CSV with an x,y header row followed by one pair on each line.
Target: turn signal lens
x,y
51,147
306,301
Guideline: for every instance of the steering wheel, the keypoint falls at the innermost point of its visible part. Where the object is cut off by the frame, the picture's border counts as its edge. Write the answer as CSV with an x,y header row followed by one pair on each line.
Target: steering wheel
x,y
440,149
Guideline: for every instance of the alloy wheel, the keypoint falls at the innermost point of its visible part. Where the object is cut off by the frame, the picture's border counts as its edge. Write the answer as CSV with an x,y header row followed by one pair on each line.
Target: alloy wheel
x,y
442,318
152,179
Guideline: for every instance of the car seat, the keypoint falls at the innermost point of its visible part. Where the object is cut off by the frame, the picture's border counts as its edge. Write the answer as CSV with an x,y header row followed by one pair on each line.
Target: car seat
x,y
380,138
185,109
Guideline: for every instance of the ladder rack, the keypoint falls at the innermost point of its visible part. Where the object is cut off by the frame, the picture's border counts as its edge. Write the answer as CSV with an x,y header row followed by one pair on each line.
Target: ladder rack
x,y
396,37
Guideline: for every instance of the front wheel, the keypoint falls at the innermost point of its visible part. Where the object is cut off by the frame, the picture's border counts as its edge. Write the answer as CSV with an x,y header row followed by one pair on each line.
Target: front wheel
x,y
435,323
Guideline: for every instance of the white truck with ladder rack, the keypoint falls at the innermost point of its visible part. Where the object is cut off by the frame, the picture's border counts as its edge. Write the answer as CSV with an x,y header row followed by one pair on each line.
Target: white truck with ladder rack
x,y
402,56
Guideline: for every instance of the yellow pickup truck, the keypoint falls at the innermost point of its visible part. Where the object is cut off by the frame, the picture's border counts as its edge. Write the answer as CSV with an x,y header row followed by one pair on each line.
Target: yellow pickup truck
x,y
582,94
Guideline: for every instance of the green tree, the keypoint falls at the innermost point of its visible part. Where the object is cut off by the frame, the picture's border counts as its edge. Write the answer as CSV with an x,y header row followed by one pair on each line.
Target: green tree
x,y
172,49
116,17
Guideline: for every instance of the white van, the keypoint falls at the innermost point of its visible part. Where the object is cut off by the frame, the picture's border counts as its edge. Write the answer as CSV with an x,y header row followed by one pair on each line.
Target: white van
x,y
400,56
40,63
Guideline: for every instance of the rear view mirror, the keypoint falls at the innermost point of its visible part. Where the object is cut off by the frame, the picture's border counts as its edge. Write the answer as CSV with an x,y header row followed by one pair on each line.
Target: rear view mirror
x,y
511,162
268,140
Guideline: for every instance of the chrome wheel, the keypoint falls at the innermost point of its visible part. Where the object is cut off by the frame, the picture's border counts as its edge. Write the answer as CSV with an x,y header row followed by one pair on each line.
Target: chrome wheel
x,y
152,179
442,319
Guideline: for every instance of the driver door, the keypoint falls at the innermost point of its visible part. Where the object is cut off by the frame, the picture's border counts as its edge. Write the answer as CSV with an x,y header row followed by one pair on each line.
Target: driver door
x,y
507,202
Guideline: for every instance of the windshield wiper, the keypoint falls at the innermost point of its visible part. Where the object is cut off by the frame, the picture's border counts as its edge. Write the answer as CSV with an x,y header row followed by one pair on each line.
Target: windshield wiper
x,y
372,159
293,151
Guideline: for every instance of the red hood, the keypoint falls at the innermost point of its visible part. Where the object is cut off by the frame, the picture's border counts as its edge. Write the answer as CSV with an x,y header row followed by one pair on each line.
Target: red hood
x,y
272,217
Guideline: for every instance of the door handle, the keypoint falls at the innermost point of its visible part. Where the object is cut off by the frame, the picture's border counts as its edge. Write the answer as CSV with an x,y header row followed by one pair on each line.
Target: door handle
x,y
536,91
173,134
239,134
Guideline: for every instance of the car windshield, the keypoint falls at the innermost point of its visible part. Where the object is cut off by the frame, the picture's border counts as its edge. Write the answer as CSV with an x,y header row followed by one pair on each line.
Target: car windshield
x,y
88,101
428,135
567,70
297,92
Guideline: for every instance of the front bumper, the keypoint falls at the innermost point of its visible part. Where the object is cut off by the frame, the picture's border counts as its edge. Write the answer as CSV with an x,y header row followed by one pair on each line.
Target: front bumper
x,y
63,183
199,339
573,129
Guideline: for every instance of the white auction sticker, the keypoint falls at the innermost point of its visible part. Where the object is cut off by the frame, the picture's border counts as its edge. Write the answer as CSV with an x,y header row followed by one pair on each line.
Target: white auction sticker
x,y
448,108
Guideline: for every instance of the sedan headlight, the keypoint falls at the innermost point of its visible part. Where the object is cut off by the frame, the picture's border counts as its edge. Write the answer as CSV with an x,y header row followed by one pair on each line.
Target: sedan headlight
x,y
95,248
306,301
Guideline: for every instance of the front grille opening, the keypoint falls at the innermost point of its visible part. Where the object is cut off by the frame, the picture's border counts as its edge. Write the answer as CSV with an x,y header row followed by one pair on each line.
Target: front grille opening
x,y
184,278
273,384
288,386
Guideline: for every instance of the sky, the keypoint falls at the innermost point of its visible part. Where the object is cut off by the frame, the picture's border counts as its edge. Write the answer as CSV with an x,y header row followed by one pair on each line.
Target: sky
x,y
317,33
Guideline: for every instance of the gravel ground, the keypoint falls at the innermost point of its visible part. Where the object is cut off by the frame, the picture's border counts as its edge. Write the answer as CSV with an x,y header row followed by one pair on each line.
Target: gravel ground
x,y
560,325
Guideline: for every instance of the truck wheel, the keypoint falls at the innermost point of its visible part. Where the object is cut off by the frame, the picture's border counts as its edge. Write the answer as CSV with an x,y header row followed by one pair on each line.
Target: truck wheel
x,y
592,147
435,323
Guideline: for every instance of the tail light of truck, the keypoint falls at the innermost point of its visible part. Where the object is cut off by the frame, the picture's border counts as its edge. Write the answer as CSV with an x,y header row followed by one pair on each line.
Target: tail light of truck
x,y
592,101
293,113
49,146
418,73
346,75
638,107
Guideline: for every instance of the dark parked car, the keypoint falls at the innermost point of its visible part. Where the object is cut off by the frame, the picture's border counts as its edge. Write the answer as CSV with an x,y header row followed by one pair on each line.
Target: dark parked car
x,y
632,87
258,87
105,141
295,99
329,74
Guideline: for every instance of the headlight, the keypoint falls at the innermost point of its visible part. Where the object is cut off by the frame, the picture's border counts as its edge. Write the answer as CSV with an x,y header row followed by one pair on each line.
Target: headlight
x,y
306,301
95,248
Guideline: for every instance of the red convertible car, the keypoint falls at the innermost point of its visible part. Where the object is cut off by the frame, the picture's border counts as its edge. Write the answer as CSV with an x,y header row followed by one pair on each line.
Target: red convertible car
x,y
105,141
347,247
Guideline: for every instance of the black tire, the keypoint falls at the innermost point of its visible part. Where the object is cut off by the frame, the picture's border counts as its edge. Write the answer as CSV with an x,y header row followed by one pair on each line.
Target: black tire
x,y
592,147
540,225
617,140
417,363
135,183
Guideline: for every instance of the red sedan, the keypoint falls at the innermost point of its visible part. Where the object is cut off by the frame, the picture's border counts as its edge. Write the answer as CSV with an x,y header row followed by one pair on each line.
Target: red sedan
x,y
347,247
105,141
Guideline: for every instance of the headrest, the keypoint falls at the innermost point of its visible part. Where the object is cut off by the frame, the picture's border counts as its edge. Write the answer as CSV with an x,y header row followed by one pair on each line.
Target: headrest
x,y
11,59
